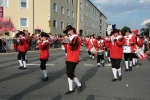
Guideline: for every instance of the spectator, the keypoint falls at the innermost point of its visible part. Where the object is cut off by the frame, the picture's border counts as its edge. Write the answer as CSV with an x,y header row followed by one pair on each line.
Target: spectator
x,y
8,42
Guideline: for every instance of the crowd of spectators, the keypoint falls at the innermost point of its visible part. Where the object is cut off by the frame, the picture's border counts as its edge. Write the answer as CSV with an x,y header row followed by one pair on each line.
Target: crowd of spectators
x,y
6,41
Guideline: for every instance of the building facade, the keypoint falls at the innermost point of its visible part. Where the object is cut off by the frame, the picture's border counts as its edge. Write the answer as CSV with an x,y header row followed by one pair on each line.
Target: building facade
x,y
29,14
91,21
63,13
54,15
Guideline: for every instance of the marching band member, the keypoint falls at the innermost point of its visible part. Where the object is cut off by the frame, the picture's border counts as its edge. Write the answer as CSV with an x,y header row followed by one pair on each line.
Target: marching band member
x,y
22,48
86,40
129,42
91,43
73,52
100,51
107,50
115,43
138,45
43,45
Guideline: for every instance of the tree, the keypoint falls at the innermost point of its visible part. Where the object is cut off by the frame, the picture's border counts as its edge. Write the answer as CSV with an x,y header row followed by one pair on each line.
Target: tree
x,y
144,31
124,29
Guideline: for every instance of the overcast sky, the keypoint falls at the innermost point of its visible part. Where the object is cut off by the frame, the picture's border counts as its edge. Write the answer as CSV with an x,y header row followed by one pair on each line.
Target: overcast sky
x,y
129,13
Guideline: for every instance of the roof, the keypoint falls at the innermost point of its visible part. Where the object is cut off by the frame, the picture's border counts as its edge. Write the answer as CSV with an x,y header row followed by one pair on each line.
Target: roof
x,y
97,9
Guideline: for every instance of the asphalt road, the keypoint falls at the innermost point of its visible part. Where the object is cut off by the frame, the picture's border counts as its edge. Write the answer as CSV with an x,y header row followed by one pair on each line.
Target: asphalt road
x,y
18,84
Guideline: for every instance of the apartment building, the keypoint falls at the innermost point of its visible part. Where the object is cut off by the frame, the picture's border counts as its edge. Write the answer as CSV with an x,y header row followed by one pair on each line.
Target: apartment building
x,y
91,20
63,13
54,15
29,14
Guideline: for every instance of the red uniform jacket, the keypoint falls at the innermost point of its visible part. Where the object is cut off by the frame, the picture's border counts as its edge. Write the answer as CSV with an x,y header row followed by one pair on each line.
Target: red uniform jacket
x,y
105,41
130,41
73,49
100,44
91,43
23,45
44,49
116,51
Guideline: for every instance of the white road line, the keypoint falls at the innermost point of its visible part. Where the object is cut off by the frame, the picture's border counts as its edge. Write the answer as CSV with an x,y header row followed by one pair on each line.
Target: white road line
x,y
108,65
39,64
88,64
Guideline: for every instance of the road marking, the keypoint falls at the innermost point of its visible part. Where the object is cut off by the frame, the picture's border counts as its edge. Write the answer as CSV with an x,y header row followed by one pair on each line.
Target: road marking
x,y
108,65
88,64
39,64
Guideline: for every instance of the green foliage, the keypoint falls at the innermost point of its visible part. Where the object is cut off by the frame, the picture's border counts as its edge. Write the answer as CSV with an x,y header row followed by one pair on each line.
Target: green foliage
x,y
144,31
124,29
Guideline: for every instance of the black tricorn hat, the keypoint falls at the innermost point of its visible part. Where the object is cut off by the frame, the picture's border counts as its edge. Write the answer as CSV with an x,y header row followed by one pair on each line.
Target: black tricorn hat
x,y
99,37
43,34
20,32
128,31
114,31
69,27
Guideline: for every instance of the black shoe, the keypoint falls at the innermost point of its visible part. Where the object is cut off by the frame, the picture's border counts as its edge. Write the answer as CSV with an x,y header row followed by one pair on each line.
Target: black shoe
x,y
113,80
102,64
126,70
130,69
120,78
98,66
45,79
24,68
26,60
79,88
69,92
90,57
20,67
108,62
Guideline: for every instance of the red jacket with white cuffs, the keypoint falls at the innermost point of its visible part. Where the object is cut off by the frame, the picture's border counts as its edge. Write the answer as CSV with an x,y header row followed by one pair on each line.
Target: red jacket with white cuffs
x,y
100,44
73,49
130,41
116,51
44,49
91,43
22,45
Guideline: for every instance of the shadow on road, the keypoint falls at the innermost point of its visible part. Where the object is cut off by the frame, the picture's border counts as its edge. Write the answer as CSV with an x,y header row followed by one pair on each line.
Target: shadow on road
x,y
22,73
59,97
39,85
89,74
91,97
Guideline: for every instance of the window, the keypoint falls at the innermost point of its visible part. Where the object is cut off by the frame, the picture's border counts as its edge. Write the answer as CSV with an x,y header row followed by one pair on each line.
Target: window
x,y
68,12
68,0
55,23
86,13
81,6
72,2
55,6
6,3
23,4
23,22
62,9
81,17
62,25
72,14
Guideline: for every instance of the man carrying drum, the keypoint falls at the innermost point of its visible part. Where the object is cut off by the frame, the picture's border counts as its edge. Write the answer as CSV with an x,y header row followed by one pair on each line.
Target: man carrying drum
x,y
100,51
91,47
128,49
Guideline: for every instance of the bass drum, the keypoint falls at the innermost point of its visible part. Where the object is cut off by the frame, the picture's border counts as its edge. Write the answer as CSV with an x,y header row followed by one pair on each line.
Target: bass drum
x,y
140,54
